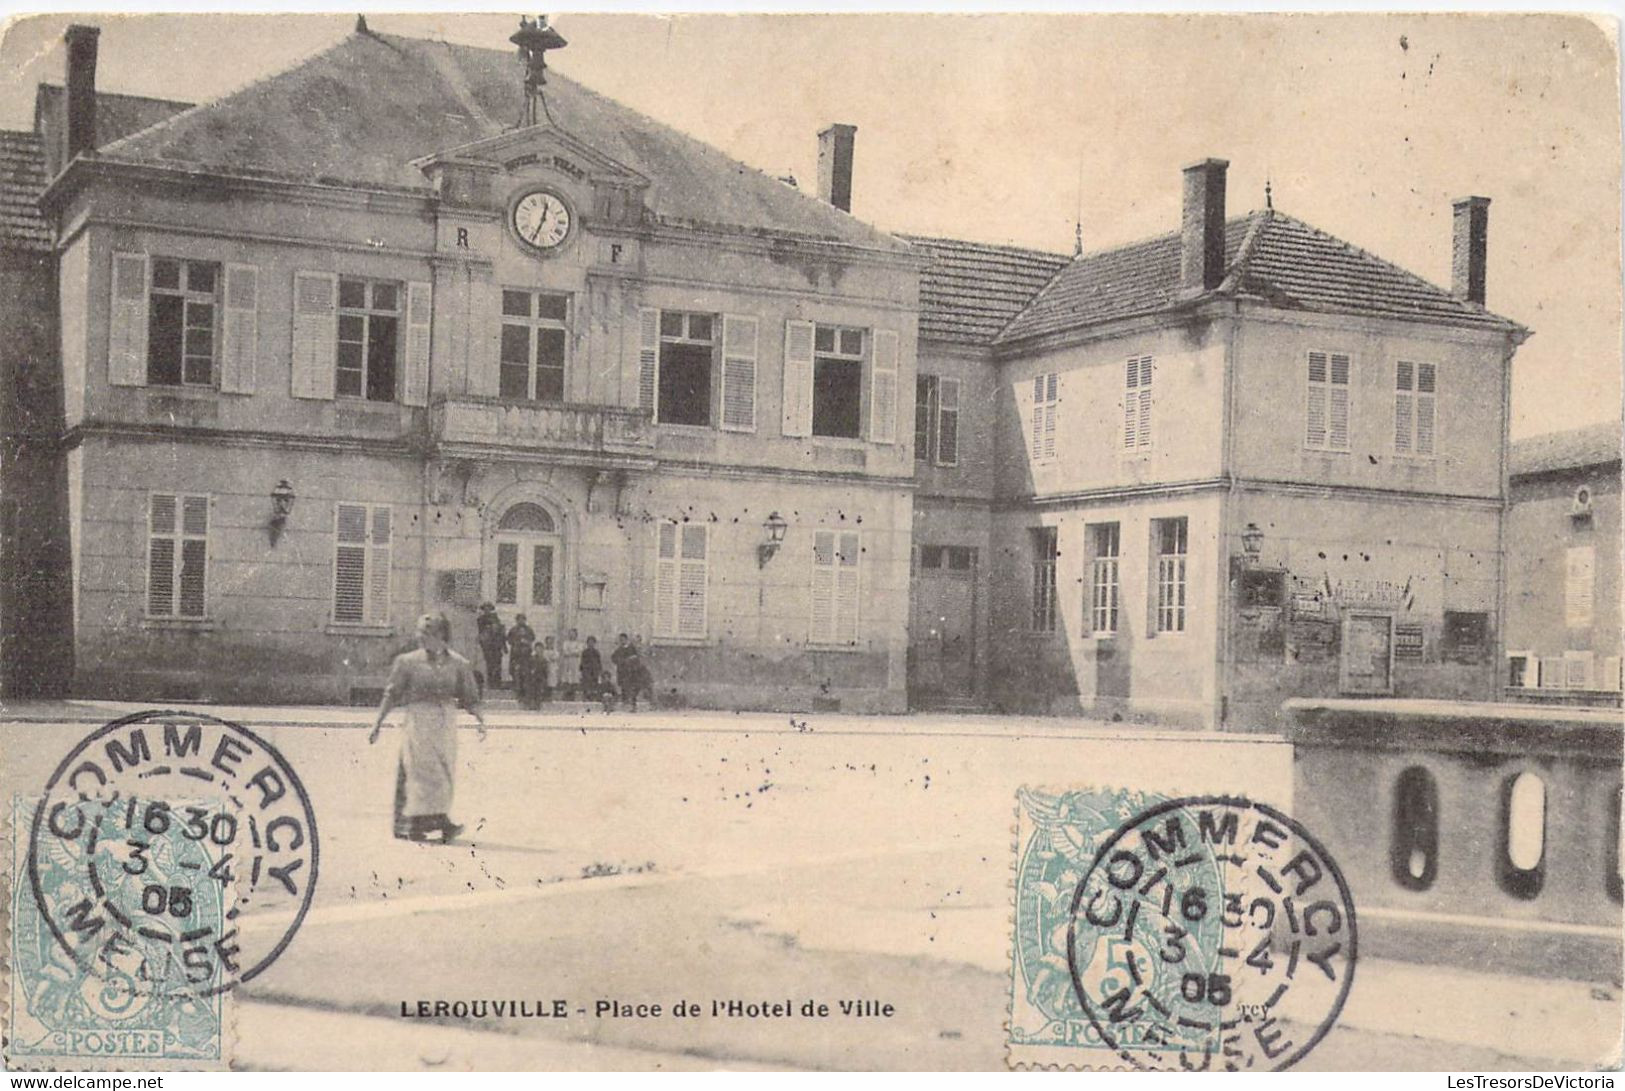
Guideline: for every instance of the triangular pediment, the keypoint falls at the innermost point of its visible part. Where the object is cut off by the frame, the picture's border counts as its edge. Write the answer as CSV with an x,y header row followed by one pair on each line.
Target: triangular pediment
x,y
544,144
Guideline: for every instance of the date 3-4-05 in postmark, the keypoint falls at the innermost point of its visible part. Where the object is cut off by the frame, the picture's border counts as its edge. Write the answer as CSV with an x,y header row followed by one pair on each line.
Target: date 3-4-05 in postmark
x,y
1193,934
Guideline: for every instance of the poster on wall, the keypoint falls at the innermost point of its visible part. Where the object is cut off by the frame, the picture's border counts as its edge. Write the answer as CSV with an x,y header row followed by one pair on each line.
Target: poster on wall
x,y
1368,648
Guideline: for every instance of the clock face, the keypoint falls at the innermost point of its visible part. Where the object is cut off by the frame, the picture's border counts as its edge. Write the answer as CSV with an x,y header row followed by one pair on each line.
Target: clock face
x,y
541,219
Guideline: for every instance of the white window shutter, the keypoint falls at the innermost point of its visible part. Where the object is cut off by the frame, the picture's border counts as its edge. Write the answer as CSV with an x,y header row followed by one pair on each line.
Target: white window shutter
x,y
798,377
847,589
648,356
1316,406
883,388
739,338
1131,405
1427,390
419,327
378,566
127,335
315,334
691,581
823,588
1579,586
948,422
239,342
666,579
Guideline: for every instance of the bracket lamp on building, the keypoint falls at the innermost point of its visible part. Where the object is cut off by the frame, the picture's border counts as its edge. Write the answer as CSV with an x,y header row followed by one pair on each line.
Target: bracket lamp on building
x,y
774,529
282,498
1252,544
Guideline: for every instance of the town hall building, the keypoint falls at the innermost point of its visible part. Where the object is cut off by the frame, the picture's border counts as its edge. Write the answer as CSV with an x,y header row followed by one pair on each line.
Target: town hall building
x,y
413,326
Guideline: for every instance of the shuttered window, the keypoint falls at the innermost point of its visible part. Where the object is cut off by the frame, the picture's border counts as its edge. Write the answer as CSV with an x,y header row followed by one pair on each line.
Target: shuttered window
x,y
798,378
239,340
362,543
1137,402
315,334
368,339
1046,397
836,582
182,315
177,555
1415,411
1579,584
682,579
883,379
1327,414
535,333
837,382
936,420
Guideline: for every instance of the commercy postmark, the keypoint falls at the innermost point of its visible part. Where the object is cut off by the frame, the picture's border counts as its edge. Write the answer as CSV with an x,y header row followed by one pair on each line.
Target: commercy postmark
x,y
1190,934
133,869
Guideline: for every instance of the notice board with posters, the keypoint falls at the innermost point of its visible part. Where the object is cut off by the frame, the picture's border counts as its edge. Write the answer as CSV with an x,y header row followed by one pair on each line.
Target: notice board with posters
x,y
1368,653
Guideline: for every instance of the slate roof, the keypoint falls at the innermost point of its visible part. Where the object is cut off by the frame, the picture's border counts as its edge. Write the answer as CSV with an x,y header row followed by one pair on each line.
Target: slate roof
x,y
117,115
1594,445
1267,254
359,112
22,180
972,290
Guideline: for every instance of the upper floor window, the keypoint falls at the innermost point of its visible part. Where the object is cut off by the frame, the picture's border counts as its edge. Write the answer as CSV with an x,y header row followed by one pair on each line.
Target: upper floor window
x,y
177,555
181,321
1327,414
355,337
1137,402
1415,388
1172,540
1046,551
368,339
836,377
838,356
687,353
1046,399
1579,586
936,420
535,326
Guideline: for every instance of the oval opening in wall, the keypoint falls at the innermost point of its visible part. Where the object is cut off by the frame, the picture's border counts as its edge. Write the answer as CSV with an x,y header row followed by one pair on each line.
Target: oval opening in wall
x,y
1523,835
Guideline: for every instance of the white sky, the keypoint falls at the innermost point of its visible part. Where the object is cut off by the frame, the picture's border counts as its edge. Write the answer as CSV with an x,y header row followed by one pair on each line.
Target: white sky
x,y
980,127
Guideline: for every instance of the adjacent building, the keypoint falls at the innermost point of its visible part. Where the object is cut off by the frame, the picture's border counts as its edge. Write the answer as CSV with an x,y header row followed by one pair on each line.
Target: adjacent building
x,y
1563,566
415,325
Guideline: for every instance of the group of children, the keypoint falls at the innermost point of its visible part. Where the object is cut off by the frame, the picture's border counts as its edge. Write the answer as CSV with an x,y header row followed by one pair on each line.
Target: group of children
x,y
572,669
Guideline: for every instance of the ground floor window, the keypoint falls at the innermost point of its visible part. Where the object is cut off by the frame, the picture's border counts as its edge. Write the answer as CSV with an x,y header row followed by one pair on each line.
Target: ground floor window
x,y
682,579
361,564
177,555
835,587
1046,550
1172,542
1105,542
1466,636
940,558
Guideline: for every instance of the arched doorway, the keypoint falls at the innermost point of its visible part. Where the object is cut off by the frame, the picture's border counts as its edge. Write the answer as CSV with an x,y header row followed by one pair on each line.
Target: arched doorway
x,y
524,573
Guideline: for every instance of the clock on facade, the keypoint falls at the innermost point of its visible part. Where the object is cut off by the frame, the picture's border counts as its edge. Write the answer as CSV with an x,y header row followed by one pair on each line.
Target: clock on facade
x,y
541,219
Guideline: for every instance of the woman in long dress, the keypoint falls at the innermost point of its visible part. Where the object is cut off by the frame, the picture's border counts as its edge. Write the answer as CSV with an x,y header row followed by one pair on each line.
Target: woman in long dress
x,y
430,684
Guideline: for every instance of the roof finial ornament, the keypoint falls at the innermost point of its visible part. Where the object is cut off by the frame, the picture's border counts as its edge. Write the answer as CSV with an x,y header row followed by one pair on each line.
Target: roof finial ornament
x,y
1269,199
361,25
534,40
1077,239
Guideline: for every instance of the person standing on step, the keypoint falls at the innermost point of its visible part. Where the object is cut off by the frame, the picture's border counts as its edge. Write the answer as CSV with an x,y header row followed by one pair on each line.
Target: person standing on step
x,y
429,684
521,656
491,640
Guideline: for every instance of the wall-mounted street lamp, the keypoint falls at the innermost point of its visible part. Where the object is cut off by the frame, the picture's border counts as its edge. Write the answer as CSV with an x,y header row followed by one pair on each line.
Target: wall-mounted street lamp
x,y
773,529
1252,543
282,498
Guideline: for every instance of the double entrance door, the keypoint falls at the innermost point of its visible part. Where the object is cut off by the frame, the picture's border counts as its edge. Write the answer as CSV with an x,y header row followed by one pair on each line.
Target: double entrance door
x,y
524,574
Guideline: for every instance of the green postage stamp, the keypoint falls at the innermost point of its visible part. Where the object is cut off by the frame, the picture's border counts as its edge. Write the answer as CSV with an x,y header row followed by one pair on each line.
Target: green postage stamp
x,y
116,908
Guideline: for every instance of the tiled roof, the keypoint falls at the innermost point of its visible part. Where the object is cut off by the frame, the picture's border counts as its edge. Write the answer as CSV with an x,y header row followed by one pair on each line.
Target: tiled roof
x,y
360,112
22,180
971,290
1593,445
1267,254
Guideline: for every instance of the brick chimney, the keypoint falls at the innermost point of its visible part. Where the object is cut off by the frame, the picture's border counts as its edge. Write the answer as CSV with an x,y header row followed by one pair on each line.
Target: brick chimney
x,y
1201,228
835,165
80,105
1469,248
